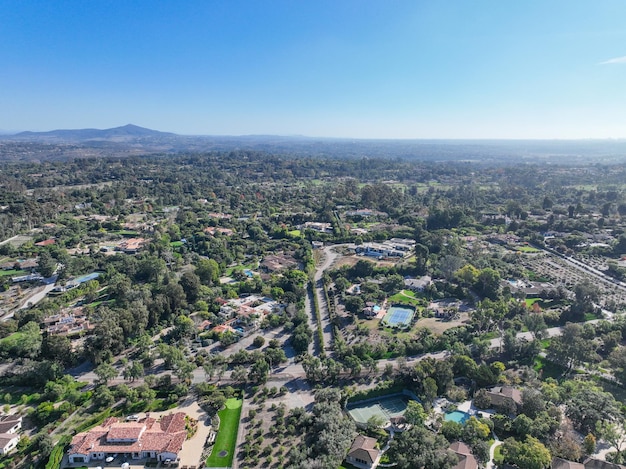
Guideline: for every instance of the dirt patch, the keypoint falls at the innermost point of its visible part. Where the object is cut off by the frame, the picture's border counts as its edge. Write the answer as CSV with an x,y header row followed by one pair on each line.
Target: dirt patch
x,y
439,326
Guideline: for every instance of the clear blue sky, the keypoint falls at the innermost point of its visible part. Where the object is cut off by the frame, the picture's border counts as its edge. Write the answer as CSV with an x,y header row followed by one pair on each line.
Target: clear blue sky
x,y
354,68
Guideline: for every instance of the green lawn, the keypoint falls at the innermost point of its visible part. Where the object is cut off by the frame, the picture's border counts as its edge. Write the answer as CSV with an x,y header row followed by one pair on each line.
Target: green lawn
x,y
406,297
497,455
547,369
12,272
532,301
526,249
227,435
176,244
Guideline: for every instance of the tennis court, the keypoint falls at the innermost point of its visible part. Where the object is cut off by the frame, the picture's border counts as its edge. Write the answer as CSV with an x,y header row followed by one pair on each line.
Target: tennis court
x,y
384,407
399,316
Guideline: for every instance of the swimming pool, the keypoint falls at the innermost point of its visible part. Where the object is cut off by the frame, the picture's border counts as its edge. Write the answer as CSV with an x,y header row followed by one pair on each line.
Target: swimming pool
x,y
457,416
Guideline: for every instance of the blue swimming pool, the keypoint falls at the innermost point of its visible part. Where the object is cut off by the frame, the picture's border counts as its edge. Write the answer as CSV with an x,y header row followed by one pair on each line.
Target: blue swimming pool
x,y
456,416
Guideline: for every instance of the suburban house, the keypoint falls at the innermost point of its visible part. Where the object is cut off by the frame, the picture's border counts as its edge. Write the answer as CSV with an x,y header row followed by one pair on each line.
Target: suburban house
x,y
68,323
589,463
317,226
142,439
418,284
363,453
505,396
464,453
132,245
379,250
278,262
9,426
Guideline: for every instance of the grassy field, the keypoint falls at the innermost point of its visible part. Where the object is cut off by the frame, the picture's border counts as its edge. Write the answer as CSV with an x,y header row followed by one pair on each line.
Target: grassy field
x,y
227,435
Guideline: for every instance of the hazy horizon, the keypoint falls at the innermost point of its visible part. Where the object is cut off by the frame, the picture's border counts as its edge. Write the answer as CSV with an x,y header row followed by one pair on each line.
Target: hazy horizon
x,y
409,70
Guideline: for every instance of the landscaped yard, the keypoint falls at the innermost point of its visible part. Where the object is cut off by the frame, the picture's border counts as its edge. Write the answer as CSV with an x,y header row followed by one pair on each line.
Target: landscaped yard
x,y
224,448
406,297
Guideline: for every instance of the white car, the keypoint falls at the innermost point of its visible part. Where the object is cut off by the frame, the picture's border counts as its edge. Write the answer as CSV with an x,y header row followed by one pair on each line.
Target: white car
x,y
109,459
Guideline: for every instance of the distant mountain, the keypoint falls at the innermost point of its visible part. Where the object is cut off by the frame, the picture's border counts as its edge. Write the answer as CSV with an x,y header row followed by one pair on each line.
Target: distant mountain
x,y
124,133
131,140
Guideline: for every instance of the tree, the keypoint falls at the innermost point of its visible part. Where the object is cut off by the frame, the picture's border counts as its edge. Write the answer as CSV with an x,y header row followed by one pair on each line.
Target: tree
x,y
467,275
488,283
105,372
421,448
191,286
613,433
589,443
474,430
570,349
239,374
532,402
103,397
588,404
44,444
363,269
46,264
415,413
259,371
208,271
184,327
258,341
527,454
536,325
354,304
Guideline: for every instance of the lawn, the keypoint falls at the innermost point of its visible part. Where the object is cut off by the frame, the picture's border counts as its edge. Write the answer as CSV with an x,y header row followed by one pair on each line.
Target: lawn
x,y
13,272
532,301
406,297
527,249
547,369
227,435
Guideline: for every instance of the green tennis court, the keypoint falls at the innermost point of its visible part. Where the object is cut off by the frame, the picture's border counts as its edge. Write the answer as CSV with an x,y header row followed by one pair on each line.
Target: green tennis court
x,y
384,407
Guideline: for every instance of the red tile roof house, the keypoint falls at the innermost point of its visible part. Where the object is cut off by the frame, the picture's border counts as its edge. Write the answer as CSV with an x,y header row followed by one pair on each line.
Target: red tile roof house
x,y
145,439
464,453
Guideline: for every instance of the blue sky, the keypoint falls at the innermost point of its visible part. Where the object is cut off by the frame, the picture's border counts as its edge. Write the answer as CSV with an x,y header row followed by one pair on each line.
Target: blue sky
x,y
362,68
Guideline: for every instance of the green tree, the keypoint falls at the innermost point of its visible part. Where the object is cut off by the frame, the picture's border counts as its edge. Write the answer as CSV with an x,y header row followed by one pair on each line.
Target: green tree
x,y
571,349
421,448
527,454
415,413
46,264
208,271
488,283
105,372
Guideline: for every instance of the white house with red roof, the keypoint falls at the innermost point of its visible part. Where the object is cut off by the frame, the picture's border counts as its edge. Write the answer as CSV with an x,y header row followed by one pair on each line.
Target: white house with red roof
x,y
144,439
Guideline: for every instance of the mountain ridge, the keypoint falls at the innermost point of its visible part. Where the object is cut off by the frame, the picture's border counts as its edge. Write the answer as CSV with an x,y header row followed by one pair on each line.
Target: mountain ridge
x,y
128,131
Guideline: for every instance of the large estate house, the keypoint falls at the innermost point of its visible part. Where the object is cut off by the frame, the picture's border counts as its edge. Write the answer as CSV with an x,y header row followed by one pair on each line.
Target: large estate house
x,y
143,439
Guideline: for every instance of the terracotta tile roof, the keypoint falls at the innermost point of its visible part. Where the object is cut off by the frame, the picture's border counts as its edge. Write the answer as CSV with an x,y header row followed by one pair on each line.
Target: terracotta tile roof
x,y
364,448
45,242
168,436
